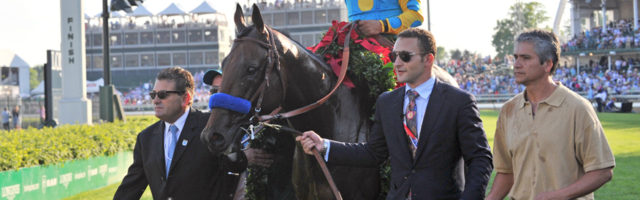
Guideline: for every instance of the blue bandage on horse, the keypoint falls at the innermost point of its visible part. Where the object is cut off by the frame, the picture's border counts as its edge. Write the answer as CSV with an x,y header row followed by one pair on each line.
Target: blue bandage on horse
x,y
222,100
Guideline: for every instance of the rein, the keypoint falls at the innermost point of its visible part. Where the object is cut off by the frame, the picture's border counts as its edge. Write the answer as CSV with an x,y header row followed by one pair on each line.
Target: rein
x,y
273,55
274,62
316,155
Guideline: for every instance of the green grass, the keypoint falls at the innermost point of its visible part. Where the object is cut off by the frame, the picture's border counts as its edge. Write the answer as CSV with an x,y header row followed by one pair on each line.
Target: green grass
x,y
623,135
105,193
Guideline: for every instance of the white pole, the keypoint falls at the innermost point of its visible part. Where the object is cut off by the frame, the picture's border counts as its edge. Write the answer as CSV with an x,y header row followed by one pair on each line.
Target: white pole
x,y
604,16
74,103
578,64
558,19
635,15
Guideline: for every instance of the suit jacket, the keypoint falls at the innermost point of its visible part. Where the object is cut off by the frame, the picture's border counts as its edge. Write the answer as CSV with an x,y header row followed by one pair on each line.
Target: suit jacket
x,y
451,142
195,172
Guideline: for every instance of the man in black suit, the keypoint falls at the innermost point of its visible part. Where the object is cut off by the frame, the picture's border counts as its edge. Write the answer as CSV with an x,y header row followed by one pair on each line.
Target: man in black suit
x,y
169,155
431,131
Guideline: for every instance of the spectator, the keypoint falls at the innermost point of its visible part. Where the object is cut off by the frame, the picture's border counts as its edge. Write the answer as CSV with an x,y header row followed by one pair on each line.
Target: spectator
x,y
611,106
601,97
17,120
5,119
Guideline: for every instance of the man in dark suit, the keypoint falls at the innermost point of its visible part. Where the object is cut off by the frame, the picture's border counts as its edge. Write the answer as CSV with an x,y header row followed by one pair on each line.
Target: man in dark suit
x,y
169,155
431,131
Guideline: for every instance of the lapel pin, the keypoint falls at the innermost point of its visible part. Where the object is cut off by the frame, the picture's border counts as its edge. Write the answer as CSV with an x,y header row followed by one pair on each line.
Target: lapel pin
x,y
184,142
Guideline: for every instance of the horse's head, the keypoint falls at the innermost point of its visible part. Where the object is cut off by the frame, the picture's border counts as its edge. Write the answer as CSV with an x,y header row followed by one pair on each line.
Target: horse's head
x,y
252,72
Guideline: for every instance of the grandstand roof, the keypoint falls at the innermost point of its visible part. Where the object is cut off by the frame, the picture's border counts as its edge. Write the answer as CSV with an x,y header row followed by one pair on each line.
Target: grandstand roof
x,y
204,8
140,11
173,9
10,59
112,14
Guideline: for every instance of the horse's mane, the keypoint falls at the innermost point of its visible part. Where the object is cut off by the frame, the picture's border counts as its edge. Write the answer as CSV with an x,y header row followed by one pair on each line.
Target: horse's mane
x,y
244,32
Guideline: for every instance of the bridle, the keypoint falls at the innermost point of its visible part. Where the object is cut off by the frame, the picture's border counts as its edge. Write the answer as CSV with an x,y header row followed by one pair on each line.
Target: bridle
x,y
273,62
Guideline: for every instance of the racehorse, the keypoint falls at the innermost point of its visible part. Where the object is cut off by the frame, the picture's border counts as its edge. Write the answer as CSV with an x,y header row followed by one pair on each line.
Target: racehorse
x,y
277,74
271,70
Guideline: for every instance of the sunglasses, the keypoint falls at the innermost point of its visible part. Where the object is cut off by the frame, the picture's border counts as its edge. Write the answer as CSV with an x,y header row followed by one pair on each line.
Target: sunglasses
x,y
162,94
405,56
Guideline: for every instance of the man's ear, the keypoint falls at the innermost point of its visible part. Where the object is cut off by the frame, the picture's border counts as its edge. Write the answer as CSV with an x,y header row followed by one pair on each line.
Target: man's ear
x,y
187,98
428,59
548,65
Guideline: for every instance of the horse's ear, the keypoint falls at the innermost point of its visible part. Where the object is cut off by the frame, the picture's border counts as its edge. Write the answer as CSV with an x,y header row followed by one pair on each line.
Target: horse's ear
x,y
239,18
256,17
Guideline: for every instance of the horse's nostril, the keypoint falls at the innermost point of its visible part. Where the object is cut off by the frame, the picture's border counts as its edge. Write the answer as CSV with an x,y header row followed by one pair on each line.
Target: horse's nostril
x,y
217,140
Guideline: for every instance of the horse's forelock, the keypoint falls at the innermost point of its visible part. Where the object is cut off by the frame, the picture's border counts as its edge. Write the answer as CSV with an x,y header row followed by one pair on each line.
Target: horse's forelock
x,y
244,32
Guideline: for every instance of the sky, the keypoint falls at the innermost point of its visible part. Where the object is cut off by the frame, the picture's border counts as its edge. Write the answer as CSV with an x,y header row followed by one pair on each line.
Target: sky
x,y
30,27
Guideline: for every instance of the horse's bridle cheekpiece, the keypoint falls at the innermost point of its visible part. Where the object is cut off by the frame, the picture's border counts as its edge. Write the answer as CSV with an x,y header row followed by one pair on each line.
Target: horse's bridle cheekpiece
x,y
273,62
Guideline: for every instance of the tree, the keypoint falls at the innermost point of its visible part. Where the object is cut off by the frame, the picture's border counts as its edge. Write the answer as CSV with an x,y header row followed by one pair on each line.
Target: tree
x,y
522,16
466,55
441,55
456,54
36,75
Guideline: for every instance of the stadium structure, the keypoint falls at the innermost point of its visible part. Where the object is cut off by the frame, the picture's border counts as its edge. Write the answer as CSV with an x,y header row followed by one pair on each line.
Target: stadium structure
x,y
604,17
142,43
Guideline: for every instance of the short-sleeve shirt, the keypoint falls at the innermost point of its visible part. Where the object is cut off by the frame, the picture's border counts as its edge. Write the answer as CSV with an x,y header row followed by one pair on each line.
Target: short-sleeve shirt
x,y
552,149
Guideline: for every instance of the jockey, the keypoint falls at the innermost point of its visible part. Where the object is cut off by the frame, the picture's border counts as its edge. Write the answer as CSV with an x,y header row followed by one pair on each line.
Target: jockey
x,y
390,17
384,16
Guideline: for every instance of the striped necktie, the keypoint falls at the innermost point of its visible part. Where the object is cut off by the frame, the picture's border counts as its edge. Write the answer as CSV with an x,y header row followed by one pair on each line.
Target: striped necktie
x,y
410,123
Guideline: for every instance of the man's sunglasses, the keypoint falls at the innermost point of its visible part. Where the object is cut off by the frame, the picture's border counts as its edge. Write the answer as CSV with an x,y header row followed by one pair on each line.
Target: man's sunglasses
x,y
163,93
405,56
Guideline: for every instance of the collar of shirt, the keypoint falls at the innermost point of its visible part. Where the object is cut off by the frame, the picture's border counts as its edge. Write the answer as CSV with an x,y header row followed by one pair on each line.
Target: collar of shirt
x,y
424,90
555,99
179,124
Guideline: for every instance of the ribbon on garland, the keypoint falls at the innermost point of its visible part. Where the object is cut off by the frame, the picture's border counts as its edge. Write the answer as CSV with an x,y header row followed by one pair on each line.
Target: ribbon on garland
x,y
337,32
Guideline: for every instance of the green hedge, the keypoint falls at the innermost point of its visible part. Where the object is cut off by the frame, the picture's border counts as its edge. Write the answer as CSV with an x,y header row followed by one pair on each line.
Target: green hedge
x,y
31,147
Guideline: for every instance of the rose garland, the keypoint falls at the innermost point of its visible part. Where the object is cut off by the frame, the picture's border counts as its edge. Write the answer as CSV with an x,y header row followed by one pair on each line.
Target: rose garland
x,y
369,63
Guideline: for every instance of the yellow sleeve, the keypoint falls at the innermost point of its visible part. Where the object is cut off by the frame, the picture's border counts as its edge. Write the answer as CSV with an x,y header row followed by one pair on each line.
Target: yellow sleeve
x,y
410,17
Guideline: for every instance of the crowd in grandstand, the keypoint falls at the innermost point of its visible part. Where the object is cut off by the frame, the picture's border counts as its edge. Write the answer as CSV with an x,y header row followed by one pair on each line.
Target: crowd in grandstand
x,y
481,78
140,95
618,34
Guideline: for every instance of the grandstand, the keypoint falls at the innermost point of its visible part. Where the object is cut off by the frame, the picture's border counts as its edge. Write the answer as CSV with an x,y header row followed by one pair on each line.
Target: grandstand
x,y
143,43
604,51
584,67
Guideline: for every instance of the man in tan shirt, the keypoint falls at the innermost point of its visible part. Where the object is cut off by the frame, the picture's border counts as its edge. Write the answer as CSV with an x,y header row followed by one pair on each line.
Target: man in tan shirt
x,y
549,143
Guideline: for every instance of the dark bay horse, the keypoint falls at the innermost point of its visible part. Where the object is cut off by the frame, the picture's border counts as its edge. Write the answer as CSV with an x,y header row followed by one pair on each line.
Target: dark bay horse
x,y
271,70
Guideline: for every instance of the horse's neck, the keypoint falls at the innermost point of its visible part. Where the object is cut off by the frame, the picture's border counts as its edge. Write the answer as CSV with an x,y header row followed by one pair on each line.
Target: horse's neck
x,y
308,78
343,117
